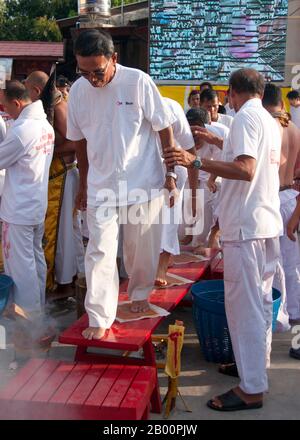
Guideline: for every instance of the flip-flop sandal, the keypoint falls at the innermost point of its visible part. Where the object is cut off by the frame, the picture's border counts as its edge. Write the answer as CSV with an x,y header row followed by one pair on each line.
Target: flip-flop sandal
x,y
229,370
232,402
295,353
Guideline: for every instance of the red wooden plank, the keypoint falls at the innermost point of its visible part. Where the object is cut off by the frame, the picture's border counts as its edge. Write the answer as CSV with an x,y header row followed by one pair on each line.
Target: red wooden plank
x,y
37,380
62,371
126,336
104,385
87,384
140,391
22,377
119,389
64,392
191,271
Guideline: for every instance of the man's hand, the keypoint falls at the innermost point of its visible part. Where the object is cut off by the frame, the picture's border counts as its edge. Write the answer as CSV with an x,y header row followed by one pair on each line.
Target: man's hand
x,y
81,199
170,185
292,227
211,184
202,134
177,156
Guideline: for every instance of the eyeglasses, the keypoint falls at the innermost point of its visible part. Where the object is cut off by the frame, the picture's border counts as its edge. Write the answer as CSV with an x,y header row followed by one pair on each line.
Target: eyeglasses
x,y
98,74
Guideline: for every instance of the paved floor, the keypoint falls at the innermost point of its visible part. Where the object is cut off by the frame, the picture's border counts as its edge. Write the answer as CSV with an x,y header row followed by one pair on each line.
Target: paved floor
x,y
199,380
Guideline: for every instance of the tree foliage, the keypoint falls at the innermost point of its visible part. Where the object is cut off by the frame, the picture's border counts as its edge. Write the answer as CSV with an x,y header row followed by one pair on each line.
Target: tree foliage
x,y
33,19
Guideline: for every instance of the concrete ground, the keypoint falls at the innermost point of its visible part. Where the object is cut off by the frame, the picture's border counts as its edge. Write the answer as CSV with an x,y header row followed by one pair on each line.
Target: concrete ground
x,y
199,379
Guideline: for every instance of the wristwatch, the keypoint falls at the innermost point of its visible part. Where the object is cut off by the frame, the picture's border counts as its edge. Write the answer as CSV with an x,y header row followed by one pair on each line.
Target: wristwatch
x,y
197,163
171,174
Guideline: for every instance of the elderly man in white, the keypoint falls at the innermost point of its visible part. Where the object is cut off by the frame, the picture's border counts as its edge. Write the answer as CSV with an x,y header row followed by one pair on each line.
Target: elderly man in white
x,y
114,113
250,223
26,153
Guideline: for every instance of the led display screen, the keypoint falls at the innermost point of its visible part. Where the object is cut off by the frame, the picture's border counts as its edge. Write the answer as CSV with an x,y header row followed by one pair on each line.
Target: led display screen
x,y
196,40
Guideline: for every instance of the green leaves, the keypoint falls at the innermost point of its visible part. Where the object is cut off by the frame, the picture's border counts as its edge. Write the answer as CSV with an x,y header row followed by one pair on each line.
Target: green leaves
x,y
33,19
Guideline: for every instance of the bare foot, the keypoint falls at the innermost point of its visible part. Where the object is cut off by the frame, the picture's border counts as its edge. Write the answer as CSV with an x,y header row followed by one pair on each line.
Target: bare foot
x,y
162,268
201,250
93,333
140,306
186,240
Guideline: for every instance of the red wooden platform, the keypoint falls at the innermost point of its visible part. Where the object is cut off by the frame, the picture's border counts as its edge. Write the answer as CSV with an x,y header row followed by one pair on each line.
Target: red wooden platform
x,y
134,335
49,389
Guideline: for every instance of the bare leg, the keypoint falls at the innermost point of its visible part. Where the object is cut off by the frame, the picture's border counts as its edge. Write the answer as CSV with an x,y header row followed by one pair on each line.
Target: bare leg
x,y
93,333
162,268
213,240
186,240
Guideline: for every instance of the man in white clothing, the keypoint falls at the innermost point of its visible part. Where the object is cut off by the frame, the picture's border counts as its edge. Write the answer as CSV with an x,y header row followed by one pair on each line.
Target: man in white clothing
x,y
63,243
173,216
210,101
113,114
209,144
2,136
290,251
250,223
26,154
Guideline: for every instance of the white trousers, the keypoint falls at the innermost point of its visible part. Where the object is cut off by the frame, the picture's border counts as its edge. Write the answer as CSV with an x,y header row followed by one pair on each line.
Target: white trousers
x,y
69,258
208,217
172,218
249,268
24,262
141,247
290,255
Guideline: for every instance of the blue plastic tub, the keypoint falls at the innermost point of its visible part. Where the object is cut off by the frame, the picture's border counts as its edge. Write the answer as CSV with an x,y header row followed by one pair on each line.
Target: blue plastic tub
x,y
5,284
211,323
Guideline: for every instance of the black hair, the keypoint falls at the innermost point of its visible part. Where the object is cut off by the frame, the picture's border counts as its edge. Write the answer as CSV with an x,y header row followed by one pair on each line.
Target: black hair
x,y
208,95
206,83
272,95
197,116
16,90
193,93
247,81
62,81
293,94
222,109
93,42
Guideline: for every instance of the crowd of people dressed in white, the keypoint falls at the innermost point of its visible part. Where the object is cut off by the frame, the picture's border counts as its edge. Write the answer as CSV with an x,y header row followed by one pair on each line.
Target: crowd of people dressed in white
x,y
130,142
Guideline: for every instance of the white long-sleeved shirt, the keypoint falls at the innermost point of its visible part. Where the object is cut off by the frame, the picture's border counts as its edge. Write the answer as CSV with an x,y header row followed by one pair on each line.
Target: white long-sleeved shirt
x,y
26,154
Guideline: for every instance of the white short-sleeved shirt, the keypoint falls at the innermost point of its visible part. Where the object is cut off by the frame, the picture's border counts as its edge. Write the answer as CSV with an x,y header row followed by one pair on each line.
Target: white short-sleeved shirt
x,y
229,111
26,154
225,120
2,136
119,122
212,152
182,135
251,210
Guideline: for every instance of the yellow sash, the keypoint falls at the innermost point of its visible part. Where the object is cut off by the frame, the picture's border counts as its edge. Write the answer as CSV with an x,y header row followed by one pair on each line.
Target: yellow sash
x,y
57,177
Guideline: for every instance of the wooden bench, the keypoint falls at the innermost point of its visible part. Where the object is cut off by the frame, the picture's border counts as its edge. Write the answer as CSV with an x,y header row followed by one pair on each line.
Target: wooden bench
x,y
135,335
49,389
